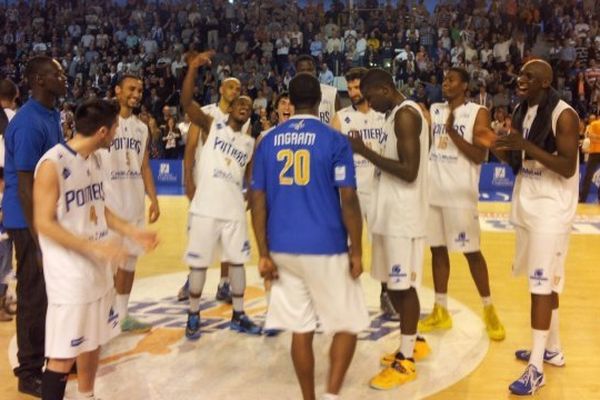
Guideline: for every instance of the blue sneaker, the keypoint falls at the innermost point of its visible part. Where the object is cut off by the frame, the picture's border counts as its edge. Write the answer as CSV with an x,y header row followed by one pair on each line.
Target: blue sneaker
x,y
224,293
244,324
528,383
272,332
192,328
184,292
556,358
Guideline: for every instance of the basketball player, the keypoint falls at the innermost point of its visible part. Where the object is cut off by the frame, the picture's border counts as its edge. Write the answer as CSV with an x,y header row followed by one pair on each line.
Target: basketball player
x,y
457,151
543,145
229,90
360,117
330,100
400,218
304,209
73,222
217,210
129,179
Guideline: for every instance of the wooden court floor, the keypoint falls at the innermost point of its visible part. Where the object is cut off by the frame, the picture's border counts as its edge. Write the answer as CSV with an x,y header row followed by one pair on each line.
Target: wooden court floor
x,y
580,309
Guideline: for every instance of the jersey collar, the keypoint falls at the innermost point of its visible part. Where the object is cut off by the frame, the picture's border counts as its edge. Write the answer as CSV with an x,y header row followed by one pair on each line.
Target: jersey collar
x,y
305,116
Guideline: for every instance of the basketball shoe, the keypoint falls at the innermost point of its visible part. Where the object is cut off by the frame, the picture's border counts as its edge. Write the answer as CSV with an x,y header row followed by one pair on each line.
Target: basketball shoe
x,y
420,352
400,372
192,327
556,358
493,326
132,325
528,383
439,319
241,323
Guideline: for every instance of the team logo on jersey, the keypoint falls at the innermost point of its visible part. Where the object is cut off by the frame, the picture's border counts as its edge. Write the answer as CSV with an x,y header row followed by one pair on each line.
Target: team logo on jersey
x,y
538,277
66,173
462,239
298,125
347,120
93,215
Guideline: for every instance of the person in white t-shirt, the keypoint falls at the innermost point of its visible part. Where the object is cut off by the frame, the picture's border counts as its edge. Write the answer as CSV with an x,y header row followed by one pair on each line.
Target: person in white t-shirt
x,y
460,132
72,222
542,149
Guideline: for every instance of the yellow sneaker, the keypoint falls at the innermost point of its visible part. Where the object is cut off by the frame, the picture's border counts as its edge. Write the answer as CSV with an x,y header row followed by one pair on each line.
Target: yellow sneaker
x,y
493,326
438,319
399,373
420,352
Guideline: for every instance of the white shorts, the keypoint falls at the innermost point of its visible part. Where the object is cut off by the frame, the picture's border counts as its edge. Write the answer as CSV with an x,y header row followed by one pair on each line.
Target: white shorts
x,y
455,228
315,288
206,234
398,261
542,256
72,329
365,205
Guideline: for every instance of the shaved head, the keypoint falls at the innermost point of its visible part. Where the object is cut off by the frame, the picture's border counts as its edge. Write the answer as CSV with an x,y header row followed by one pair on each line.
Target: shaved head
x,y
541,69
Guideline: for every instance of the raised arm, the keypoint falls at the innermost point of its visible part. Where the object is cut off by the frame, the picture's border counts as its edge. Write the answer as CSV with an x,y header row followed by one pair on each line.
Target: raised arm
x,y
193,109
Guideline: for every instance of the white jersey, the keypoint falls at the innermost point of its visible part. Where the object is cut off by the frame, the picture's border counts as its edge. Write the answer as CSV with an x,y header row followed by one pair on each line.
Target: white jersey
x,y
327,105
453,178
221,174
9,115
71,277
370,126
218,115
544,201
125,193
401,207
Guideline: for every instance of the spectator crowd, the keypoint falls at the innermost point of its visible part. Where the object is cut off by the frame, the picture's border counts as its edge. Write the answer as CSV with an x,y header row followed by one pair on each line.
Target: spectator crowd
x,y
258,40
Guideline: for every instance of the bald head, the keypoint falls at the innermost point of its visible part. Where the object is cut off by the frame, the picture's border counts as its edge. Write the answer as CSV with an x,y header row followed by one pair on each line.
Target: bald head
x,y
541,70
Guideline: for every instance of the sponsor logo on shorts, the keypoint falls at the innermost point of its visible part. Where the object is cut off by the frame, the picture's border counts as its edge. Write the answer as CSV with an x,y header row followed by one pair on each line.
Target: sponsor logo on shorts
x,y
77,342
246,248
538,277
396,274
194,255
113,318
462,239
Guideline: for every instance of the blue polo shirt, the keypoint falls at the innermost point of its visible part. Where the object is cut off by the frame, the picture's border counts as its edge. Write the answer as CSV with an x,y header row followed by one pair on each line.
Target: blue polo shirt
x,y
33,131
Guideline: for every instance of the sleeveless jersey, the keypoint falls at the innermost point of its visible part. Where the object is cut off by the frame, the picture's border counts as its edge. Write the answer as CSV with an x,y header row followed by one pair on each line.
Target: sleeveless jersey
x,y
453,178
214,111
544,201
124,187
370,127
221,174
401,207
72,278
327,105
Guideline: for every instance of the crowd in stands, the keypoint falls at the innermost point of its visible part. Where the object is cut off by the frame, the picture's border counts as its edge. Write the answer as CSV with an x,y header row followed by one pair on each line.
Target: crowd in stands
x,y
258,40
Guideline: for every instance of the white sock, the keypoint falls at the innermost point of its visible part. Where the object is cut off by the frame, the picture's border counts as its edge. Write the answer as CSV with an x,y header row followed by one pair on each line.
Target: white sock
x,y
224,279
121,304
237,276
553,335
85,395
537,349
407,345
487,301
441,299
197,280
330,396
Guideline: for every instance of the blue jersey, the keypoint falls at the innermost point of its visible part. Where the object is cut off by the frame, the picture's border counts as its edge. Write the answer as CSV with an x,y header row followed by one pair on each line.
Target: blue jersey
x,y
300,165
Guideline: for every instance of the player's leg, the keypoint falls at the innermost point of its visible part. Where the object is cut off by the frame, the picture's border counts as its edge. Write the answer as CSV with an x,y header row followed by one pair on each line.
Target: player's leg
x,y
236,250
341,352
405,258
304,363
224,288
437,236
87,367
544,256
203,234
123,285
5,270
54,379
